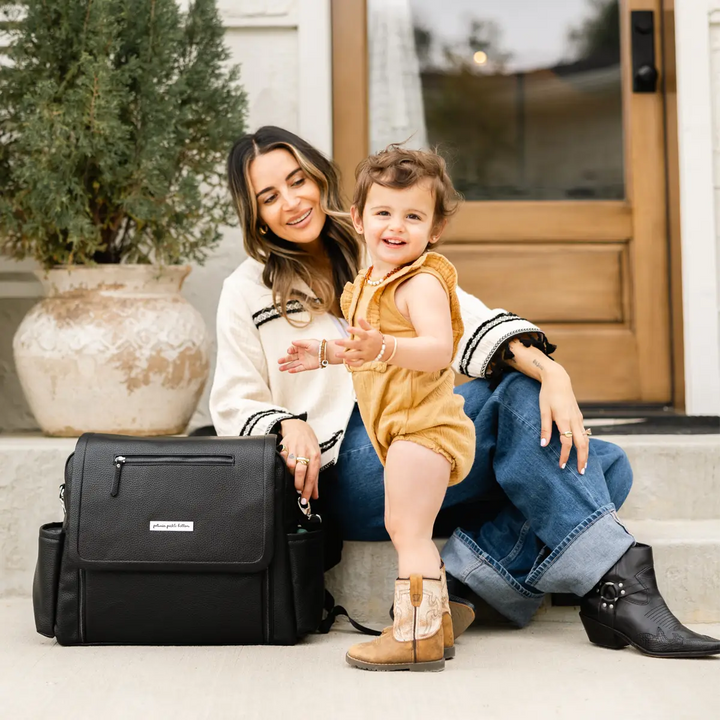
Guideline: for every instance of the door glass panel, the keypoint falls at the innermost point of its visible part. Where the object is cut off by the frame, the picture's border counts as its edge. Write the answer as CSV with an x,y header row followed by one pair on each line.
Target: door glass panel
x,y
522,97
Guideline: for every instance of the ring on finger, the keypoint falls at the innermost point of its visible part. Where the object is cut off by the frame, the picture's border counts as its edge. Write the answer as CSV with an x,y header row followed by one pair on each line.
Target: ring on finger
x,y
567,434
303,460
588,432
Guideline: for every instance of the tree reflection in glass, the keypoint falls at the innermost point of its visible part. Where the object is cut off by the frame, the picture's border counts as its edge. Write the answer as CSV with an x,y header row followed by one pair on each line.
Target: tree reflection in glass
x,y
524,98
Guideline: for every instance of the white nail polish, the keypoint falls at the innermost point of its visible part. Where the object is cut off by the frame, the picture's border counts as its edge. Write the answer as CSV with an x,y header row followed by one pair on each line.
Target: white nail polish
x,y
582,472
562,467
543,442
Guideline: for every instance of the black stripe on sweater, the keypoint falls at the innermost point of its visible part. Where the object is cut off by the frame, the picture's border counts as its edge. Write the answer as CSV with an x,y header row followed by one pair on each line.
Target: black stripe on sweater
x,y
253,420
272,313
332,441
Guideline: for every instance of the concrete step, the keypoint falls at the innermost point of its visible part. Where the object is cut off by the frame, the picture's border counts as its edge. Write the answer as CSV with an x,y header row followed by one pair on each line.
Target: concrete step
x,y
687,559
676,477
31,471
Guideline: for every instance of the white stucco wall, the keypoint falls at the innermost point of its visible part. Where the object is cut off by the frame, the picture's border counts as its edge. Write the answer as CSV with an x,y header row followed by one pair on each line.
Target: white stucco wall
x,y
283,47
697,24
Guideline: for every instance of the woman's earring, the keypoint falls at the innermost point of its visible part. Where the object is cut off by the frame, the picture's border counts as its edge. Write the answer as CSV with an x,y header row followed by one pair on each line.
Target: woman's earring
x,y
263,229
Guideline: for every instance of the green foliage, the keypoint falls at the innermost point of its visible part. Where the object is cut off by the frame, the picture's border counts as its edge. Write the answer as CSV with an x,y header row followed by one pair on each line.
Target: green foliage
x,y
600,32
115,118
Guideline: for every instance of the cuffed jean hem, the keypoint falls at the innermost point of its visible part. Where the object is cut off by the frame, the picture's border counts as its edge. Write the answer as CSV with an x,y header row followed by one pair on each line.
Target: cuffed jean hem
x,y
584,556
465,561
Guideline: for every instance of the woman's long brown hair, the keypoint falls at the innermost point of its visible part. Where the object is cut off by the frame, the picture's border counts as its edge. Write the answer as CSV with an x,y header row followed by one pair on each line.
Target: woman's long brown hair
x,y
285,262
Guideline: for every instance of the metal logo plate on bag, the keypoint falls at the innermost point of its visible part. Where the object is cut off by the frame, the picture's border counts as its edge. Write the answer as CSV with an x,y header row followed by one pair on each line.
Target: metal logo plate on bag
x,y
171,526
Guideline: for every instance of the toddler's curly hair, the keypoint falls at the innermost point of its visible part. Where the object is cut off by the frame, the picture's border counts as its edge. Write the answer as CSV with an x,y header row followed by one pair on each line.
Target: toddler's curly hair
x,y
399,167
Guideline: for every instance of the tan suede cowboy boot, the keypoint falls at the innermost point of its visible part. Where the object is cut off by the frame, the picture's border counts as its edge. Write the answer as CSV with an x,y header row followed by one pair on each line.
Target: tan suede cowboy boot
x,y
457,617
447,621
463,616
416,640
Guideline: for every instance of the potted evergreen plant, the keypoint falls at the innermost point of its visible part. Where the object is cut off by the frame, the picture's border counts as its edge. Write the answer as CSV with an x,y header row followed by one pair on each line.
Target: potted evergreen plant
x,y
115,117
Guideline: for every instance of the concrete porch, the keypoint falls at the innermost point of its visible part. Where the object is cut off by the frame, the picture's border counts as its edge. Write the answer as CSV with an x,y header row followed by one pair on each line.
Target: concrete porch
x,y
548,670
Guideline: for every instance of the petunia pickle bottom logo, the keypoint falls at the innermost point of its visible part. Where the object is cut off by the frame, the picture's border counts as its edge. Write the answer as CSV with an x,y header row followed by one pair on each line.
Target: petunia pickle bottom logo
x,y
171,526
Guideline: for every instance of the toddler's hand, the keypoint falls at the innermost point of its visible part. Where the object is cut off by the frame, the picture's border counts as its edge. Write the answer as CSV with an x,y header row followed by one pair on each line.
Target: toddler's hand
x,y
302,355
363,347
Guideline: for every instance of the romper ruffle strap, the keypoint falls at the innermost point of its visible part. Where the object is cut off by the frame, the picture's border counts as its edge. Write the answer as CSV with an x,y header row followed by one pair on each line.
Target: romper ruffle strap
x,y
351,292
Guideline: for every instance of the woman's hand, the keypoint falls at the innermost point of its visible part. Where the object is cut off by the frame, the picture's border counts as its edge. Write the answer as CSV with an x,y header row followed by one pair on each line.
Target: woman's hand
x,y
302,355
299,441
364,345
559,405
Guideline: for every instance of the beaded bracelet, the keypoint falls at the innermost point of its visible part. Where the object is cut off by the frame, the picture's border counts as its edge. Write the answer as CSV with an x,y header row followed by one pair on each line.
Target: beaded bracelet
x,y
382,349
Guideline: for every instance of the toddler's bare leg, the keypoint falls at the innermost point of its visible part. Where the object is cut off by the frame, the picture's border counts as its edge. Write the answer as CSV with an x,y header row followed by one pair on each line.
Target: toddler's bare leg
x,y
416,479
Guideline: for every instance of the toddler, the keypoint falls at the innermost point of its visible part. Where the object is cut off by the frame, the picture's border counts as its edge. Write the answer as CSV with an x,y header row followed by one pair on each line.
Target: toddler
x,y
404,328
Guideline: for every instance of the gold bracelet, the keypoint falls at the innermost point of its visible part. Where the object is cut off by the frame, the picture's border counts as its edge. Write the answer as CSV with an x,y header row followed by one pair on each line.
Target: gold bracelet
x,y
392,354
322,354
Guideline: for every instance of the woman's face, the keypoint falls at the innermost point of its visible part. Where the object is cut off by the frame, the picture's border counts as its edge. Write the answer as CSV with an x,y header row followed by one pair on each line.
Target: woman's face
x,y
288,199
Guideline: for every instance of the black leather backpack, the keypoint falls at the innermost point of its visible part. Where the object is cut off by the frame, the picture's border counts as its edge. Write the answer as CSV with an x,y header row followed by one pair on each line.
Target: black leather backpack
x,y
169,541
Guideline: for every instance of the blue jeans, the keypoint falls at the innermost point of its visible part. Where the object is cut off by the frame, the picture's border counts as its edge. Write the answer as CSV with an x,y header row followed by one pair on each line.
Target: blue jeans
x,y
546,529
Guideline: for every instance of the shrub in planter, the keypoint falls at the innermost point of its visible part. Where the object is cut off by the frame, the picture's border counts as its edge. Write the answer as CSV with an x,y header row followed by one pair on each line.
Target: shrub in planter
x,y
115,117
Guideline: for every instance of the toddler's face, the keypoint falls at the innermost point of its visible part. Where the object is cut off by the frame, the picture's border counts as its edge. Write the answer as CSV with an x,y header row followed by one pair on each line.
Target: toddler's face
x,y
397,224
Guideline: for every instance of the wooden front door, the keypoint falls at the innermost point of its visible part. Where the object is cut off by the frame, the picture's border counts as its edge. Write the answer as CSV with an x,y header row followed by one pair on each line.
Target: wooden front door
x,y
560,159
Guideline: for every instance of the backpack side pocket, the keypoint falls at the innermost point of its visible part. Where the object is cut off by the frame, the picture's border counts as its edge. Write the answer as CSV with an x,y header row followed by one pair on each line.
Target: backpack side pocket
x,y
308,580
47,574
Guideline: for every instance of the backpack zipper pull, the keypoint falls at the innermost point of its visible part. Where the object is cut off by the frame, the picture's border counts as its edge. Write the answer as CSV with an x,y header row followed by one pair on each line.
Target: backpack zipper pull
x,y
119,462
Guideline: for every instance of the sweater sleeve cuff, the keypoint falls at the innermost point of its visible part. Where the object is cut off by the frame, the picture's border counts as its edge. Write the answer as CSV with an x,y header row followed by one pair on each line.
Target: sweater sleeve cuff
x,y
267,422
483,345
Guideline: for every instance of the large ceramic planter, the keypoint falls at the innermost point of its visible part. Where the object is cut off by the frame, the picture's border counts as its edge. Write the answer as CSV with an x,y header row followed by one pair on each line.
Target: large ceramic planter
x,y
114,349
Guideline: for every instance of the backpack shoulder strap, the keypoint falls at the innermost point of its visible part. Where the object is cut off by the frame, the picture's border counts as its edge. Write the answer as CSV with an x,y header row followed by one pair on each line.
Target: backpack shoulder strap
x,y
333,611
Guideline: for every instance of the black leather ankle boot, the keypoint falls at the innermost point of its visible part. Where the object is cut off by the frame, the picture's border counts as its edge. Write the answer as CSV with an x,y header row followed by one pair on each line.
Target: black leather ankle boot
x,y
626,608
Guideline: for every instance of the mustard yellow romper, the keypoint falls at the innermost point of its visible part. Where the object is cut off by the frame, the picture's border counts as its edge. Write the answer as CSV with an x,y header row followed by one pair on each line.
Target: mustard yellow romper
x,y
400,404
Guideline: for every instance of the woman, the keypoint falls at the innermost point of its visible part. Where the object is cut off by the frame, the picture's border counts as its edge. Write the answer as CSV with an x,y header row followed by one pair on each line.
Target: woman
x,y
556,527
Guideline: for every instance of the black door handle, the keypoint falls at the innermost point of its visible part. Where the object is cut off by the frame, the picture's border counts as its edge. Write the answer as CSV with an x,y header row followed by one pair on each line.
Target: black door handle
x,y
642,29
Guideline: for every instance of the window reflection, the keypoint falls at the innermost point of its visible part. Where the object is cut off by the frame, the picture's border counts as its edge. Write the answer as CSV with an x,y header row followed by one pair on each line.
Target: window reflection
x,y
523,98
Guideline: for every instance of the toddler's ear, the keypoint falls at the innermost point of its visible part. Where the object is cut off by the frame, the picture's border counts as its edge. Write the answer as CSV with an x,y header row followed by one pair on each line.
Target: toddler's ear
x,y
356,219
437,232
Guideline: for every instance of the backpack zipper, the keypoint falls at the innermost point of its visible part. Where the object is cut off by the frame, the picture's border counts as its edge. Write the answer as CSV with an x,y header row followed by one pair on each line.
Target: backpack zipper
x,y
121,460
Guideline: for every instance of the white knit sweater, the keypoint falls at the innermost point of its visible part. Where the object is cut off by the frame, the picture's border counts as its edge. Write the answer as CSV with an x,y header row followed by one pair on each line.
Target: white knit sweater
x,y
250,395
